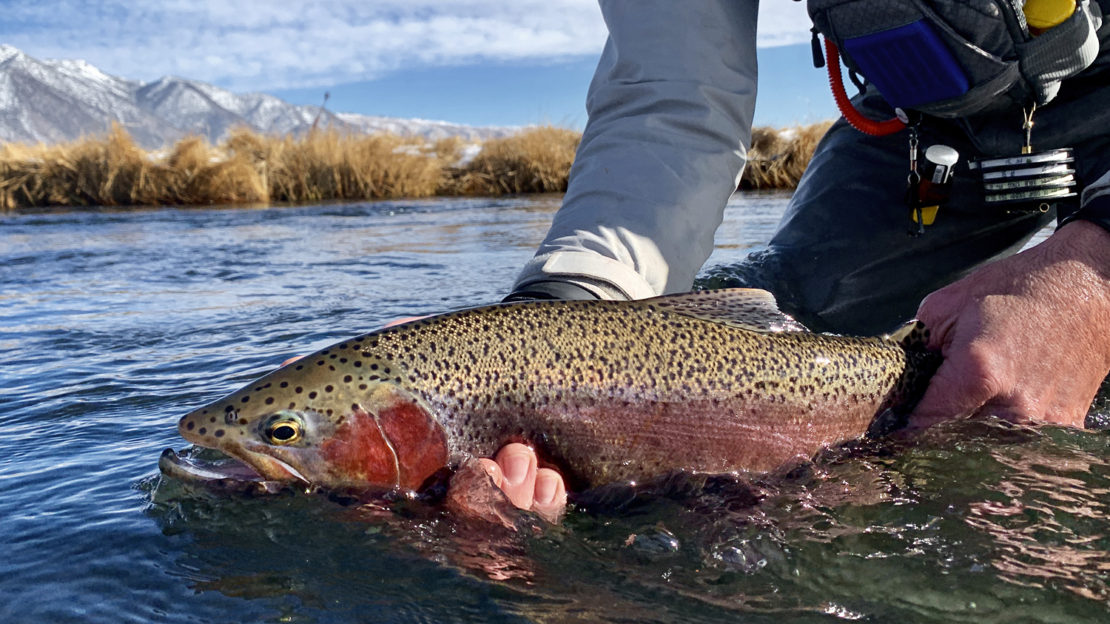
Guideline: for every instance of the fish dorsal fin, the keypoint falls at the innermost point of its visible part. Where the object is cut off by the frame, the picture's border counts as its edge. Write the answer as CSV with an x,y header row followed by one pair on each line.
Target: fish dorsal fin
x,y
747,308
913,336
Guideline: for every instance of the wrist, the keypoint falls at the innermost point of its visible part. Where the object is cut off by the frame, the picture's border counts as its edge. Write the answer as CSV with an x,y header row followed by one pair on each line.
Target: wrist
x,y
1078,265
1085,241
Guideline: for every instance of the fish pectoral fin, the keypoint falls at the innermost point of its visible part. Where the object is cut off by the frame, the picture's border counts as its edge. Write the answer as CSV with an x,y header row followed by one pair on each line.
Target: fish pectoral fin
x,y
913,336
748,308
887,422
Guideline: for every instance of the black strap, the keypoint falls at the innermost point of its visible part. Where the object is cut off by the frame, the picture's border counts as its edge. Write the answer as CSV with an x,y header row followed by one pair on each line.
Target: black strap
x,y
548,290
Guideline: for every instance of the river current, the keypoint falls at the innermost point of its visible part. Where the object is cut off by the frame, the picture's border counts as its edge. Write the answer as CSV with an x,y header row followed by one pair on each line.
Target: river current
x,y
115,323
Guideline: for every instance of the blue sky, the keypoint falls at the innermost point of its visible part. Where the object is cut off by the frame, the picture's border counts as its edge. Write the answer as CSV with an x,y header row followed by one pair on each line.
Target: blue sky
x,y
482,62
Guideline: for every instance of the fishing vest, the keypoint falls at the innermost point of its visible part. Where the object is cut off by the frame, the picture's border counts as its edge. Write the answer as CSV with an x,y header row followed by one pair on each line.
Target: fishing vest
x,y
953,58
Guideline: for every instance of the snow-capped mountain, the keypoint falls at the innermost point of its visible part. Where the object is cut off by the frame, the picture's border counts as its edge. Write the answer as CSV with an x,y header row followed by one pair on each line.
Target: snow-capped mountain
x,y
61,100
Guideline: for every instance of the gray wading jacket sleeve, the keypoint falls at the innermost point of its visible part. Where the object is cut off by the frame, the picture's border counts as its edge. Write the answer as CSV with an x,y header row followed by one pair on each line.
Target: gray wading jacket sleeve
x,y
670,113
1100,190
1096,201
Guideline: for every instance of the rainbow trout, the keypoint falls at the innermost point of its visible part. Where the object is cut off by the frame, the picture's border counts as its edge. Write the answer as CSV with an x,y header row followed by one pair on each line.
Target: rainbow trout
x,y
608,391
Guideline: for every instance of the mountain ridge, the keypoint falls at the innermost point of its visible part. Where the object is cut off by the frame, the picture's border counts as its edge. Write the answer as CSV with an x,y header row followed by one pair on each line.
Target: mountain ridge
x,y
53,101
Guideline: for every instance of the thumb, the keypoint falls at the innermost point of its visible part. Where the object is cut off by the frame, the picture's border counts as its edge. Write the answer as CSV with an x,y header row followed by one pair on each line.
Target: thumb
x,y
952,393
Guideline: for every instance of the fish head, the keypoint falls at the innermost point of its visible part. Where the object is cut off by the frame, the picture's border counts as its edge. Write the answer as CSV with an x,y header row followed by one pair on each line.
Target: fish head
x,y
306,426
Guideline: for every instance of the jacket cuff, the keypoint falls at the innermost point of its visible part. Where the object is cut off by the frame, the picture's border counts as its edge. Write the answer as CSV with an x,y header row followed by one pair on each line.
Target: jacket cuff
x,y
604,277
1096,210
549,290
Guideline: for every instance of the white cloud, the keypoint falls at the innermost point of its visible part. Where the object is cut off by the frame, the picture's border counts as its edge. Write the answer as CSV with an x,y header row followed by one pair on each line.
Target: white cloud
x,y
263,44
783,22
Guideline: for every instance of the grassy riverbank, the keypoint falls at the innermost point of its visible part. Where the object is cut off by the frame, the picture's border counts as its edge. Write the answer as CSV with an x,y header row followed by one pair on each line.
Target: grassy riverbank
x,y
250,168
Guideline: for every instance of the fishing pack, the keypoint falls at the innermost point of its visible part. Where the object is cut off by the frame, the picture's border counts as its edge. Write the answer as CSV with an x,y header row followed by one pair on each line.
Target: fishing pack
x,y
955,58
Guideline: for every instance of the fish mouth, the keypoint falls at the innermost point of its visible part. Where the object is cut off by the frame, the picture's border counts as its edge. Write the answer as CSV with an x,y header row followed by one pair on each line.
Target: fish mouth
x,y
214,469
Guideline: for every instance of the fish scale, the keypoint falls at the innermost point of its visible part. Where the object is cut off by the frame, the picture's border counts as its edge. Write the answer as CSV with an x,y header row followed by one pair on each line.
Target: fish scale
x,y
607,391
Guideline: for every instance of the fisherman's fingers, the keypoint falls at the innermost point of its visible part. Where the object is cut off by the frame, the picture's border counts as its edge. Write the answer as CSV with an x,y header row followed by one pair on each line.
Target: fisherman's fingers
x,y
518,465
403,320
550,495
516,472
961,387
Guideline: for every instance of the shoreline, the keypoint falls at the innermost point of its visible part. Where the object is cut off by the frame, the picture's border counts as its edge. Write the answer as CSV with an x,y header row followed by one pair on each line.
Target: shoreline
x,y
250,169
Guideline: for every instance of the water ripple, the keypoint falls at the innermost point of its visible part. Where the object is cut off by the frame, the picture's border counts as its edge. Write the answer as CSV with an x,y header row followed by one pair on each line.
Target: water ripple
x,y
115,323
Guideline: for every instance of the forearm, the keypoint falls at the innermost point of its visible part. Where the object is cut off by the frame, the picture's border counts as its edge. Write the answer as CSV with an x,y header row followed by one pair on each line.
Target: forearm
x,y
1082,249
670,113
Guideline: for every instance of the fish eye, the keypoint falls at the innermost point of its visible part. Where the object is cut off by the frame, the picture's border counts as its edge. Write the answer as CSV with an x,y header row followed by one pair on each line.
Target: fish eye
x,y
285,430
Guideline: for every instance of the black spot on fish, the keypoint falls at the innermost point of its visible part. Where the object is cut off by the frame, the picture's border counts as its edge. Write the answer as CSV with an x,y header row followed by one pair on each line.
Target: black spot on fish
x,y
347,379
373,367
285,384
320,363
269,400
228,408
189,425
219,433
358,363
312,395
202,431
329,388
246,399
362,386
298,389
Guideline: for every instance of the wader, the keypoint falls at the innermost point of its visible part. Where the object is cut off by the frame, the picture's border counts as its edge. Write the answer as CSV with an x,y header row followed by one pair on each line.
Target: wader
x,y
843,258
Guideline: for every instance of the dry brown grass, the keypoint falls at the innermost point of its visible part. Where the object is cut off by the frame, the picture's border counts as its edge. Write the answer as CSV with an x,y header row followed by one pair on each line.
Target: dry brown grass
x,y
779,156
247,168
534,161
329,165
113,171
251,168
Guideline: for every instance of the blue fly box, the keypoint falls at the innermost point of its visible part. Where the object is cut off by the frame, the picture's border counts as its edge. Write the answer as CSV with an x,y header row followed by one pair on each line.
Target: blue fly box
x,y
910,65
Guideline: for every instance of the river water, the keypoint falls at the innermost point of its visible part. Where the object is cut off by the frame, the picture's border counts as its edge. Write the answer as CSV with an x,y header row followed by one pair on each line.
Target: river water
x,y
114,324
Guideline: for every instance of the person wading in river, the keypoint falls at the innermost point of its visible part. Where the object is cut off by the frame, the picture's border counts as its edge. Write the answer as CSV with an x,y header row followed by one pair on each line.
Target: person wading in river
x,y
859,248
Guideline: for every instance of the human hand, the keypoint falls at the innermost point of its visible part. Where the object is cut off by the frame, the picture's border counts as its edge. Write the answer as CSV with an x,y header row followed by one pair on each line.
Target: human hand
x,y
516,472
1024,337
